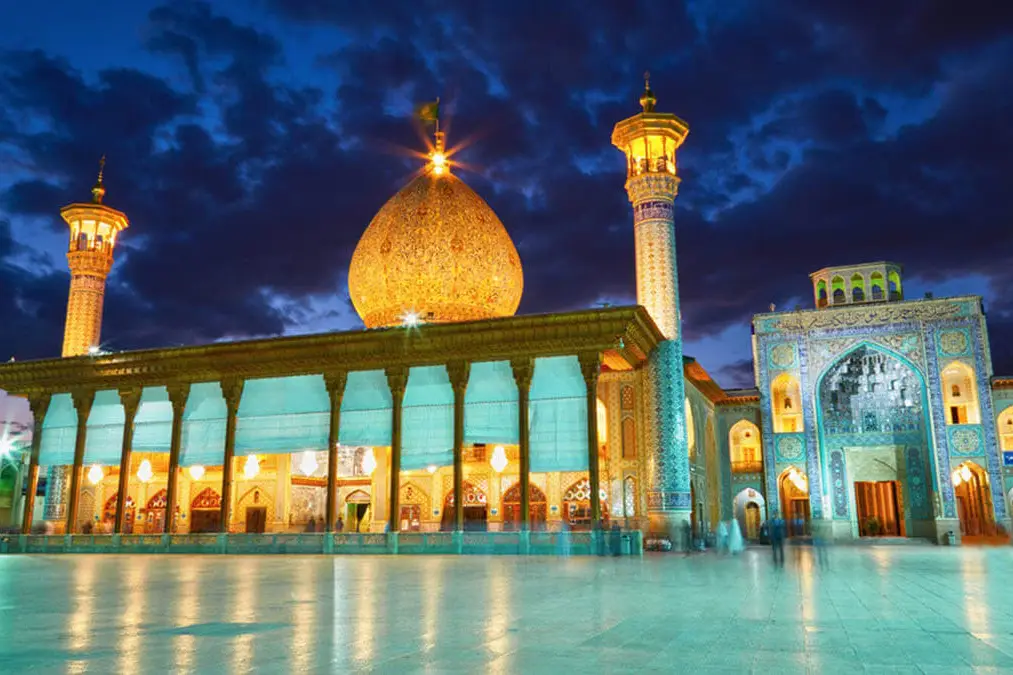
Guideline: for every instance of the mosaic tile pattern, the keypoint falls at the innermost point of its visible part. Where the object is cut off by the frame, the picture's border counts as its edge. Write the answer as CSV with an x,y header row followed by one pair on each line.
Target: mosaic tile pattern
x,y
669,487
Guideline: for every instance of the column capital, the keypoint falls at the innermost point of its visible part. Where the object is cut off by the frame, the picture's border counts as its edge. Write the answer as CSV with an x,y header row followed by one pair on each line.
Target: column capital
x,y
335,381
590,367
38,403
524,371
397,380
232,390
179,393
83,399
458,372
130,399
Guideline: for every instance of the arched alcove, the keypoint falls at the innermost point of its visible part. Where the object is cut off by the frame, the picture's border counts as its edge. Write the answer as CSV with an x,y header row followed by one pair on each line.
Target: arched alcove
x,y
786,403
744,447
960,394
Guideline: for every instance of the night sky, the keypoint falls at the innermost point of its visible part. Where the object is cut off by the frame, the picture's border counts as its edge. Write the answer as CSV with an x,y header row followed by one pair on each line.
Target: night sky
x,y
250,143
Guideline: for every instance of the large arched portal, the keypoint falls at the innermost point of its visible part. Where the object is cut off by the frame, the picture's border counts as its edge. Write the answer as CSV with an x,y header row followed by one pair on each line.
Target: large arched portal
x,y
874,444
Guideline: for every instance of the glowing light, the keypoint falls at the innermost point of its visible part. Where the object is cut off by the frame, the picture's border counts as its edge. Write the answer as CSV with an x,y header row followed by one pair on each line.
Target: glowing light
x,y
369,462
6,445
251,467
956,478
95,474
965,472
145,472
93,350
197,472
431,468
411,319
438,161
308,463
499,459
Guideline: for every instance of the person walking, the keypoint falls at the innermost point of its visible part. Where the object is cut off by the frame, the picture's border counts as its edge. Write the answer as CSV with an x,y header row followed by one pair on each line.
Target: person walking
x,y
778,533
736,544
821,539
722,537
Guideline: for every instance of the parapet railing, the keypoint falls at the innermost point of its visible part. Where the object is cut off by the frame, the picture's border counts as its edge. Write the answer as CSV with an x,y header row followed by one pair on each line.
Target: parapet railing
x,y
628,542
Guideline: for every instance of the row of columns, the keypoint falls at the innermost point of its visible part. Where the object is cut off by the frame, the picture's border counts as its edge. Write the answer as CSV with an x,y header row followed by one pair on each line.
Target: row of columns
x,y
232,391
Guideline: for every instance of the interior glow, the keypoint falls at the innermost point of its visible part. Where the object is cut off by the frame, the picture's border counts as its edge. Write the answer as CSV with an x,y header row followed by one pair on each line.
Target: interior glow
x,y
965,472
145,472
251,467
308,463
499,459
95,474
196,472
369,462
431,468
410,319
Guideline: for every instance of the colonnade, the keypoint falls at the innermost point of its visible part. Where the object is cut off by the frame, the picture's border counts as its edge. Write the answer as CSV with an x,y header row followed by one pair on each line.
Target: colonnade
x,y
334,379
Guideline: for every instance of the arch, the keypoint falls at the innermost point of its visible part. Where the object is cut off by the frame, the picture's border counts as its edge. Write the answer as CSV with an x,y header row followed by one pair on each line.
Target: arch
x,y
821,293
713,472
86,512
744,446
960,394
893,282
690,432
786,403
629,438
208,498
857,287
476,512
577,504
254,498
793,490
973,494
1004,424
157,500
877,289
537,507
414,504
837,291
916,403
630,496
358,497
749,521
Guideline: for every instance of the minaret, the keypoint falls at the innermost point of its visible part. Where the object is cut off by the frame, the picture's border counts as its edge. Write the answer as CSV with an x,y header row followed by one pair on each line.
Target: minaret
x,y
649,140
93,230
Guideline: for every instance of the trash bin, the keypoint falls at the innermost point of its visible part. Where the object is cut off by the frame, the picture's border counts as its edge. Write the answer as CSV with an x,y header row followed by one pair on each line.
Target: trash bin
x,y
951,539
625,545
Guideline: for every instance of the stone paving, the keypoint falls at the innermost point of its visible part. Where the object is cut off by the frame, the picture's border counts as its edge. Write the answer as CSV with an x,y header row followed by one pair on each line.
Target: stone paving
x,y
877,609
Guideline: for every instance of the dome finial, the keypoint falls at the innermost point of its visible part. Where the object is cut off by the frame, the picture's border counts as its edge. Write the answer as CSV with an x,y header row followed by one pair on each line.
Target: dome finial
x,y
99,190
647,99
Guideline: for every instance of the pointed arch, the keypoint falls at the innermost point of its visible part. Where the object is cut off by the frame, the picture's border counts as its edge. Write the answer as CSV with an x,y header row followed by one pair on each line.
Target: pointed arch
x,y
744,444
960,393
877,286
973,493
838,293
1004,422
786,403
857,287
690,432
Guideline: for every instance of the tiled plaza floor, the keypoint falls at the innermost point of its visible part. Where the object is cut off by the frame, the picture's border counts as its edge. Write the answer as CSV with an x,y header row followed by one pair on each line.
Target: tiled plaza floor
x,y
902,609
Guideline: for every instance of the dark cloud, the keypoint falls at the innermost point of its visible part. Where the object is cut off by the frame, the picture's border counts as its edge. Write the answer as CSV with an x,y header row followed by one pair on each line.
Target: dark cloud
x,y
822,133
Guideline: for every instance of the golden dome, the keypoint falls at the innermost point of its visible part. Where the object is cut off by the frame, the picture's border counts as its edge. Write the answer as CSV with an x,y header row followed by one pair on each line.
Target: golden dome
x,y
435,251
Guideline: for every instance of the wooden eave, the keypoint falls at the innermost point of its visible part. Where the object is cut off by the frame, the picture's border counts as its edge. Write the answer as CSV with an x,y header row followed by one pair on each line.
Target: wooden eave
x,y
626,334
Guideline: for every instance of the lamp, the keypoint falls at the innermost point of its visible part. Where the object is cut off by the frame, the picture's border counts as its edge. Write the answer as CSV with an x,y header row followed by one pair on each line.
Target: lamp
x,y
965,473
197,471
431,468
251,467
499,459
95,474
308,463
145,472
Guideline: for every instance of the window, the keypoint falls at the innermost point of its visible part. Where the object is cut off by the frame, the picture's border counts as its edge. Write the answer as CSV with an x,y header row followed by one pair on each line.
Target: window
x,y
744,446
857,288
1006,429
960,394
837,290
785,401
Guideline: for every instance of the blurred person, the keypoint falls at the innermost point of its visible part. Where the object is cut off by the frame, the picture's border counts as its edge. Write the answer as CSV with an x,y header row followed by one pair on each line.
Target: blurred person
x,y
722,538
778,533
821,540
736,543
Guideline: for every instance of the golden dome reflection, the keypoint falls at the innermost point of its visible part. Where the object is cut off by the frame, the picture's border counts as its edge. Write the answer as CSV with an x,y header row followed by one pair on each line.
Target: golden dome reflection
x,y
437,253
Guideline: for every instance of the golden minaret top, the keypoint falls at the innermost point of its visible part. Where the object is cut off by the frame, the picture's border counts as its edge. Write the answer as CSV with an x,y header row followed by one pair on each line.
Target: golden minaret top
x,y
94,228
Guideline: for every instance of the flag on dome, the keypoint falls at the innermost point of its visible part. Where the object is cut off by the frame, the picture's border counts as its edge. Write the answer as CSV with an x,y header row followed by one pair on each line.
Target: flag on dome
x,y
428,112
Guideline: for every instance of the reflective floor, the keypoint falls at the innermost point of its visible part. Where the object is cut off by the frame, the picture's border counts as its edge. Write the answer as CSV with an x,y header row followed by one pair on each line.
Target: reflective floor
x,y
903,609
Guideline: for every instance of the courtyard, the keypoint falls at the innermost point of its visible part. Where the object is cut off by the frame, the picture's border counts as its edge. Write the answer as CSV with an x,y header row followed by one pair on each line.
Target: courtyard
x,y
877,609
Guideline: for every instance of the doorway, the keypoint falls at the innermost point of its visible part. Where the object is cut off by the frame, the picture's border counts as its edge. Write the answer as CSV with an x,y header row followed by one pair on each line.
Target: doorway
x,y
795,501
877,505
256,519
410,519
512,514
752,521
204,521
974,501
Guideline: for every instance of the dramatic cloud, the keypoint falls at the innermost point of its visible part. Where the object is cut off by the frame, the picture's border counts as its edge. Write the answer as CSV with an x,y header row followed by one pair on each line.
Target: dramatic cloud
x,y
250,149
